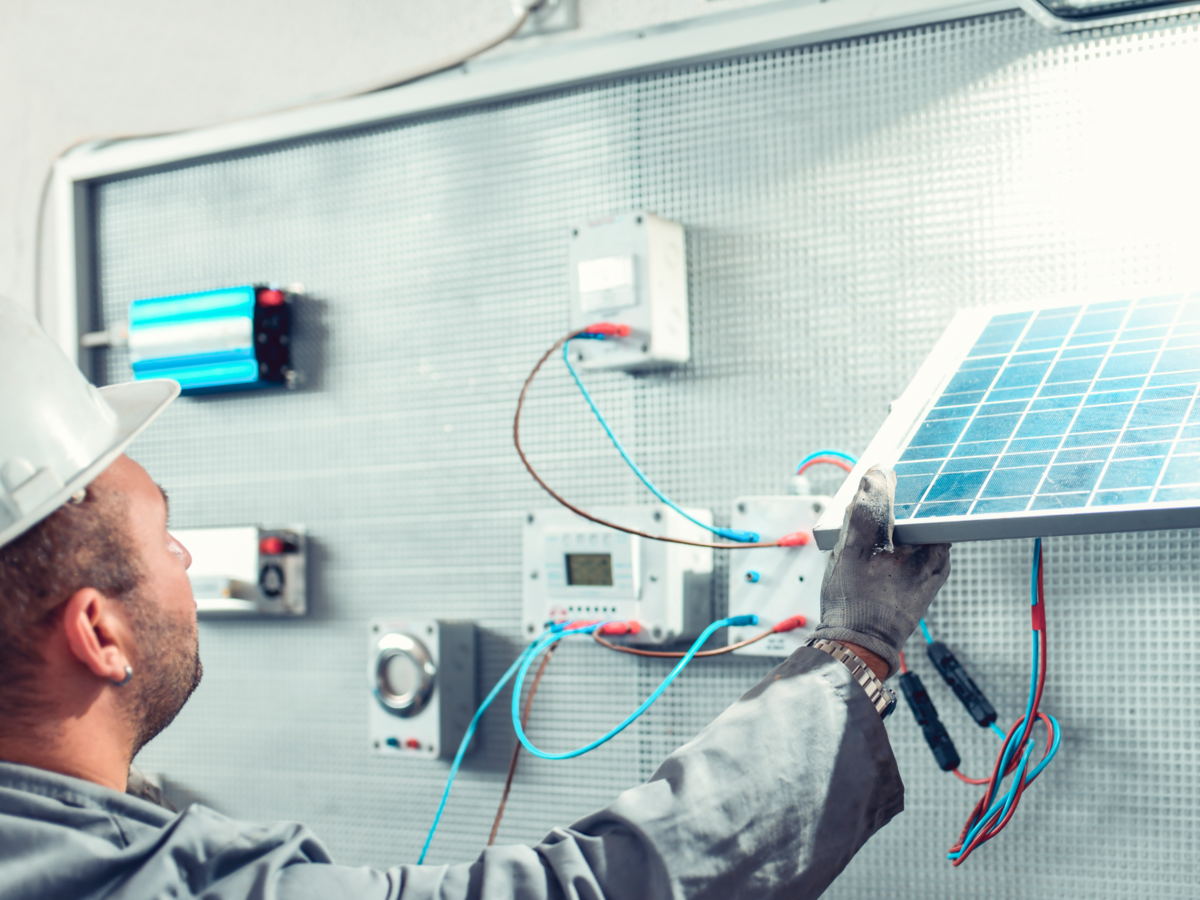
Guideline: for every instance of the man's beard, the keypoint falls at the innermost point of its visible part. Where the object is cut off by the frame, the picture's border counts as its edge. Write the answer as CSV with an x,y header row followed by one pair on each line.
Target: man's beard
x,y
168,670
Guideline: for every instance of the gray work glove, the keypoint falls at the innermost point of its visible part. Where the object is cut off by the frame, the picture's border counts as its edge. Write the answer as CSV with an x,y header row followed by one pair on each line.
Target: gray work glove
x,y
874,593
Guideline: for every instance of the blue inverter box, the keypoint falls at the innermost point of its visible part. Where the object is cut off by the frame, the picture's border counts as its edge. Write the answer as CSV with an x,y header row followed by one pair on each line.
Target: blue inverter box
x,y
230,339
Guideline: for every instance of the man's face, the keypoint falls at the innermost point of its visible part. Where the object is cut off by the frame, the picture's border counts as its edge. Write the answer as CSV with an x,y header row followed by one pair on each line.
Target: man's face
x,y
166,658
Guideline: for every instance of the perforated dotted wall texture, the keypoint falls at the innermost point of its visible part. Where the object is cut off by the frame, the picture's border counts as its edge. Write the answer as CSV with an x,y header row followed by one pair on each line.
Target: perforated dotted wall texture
x,y
841,202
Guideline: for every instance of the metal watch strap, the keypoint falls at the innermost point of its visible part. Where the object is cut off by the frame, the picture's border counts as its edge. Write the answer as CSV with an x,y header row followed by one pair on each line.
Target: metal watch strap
x,y
881,697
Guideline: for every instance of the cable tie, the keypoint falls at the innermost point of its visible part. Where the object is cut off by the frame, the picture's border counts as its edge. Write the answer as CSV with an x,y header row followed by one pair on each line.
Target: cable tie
x,y
795,539
742,620
732,534
790,624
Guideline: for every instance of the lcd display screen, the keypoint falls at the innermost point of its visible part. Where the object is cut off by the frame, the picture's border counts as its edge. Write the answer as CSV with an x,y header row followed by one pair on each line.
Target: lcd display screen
x,y
589,569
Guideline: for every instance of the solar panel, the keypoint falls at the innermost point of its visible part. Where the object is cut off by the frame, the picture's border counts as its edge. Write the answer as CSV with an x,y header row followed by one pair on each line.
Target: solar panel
x,y
1062,419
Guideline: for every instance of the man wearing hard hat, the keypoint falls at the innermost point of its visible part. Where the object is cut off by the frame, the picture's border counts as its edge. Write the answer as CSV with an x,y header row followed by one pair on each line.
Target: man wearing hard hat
x,y
99,651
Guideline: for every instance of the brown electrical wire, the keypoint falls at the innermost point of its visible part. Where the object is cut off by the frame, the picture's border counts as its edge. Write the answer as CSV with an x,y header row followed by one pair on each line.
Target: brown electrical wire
x,y
512,766
575,509
668,654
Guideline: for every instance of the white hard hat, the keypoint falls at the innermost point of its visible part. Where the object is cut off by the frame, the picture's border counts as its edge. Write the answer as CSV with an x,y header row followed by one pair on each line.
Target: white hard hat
x,y
57,432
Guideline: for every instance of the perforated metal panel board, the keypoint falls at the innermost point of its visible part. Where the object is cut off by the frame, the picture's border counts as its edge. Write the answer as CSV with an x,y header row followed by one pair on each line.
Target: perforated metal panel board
x,y
841,202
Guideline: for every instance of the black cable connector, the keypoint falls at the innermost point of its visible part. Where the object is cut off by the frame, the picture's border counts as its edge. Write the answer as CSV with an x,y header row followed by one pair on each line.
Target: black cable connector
x,y
931,726
960,682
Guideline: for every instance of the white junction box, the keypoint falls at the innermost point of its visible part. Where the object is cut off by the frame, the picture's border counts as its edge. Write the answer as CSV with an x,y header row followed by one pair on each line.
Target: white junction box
x,y
247,571
778,582
630,269
422,683
576,569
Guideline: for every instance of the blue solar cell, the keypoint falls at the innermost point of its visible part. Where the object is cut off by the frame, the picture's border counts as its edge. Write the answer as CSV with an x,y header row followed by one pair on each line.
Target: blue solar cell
x,y
1170,392
1016,460
1128,364
1182,470
1111,498
982,448
969,399
1042,424
1030,445
1176,494
1084,454
1073,389
1091,439
943,431
951,508
972,380
910,488
1023,374
1152,315
990,428
1044,403
956,486
1129,451
1019,393
969,464
1075,370
1189,377
1132,473
1014,482
1071,477
1102,418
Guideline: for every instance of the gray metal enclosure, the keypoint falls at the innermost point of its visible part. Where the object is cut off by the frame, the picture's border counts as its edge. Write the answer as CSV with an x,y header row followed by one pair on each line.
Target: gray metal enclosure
x,y
841,202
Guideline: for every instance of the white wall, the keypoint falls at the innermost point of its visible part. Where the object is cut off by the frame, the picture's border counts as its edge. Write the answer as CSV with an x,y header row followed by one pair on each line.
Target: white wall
x,y
72,69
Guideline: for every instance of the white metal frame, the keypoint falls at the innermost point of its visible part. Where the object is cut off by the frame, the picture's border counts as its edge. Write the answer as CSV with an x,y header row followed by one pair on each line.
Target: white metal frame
x,y
907,414
552,66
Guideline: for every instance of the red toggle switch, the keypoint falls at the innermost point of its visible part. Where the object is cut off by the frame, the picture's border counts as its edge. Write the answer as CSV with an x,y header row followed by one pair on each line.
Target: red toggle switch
x,y
269,297
412,744
795,539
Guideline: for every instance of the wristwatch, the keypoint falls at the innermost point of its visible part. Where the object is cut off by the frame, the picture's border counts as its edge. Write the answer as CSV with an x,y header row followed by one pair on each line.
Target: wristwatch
x,y
883,699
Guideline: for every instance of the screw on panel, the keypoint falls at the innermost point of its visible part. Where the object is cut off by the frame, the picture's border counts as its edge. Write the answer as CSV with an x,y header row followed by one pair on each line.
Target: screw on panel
x,y
533,574
801,577
638,220
817,507
529,518
429,629
657,633
657,516
375,628
574,232
377,745
529,628
741,507
654,578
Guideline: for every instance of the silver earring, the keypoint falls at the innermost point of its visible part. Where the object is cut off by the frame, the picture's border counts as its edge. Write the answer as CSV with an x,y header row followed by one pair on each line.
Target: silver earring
x,y
124,681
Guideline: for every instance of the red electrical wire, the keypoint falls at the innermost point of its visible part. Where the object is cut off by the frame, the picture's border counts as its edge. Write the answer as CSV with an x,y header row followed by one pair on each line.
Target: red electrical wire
x,y
830,460
903,664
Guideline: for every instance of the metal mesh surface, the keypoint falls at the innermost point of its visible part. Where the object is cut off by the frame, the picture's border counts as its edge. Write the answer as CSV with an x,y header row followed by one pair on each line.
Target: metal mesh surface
x,y
841,202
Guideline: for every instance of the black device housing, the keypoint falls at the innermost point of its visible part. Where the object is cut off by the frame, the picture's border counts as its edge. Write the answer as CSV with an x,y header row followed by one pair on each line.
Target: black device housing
x,y
960,682
931,726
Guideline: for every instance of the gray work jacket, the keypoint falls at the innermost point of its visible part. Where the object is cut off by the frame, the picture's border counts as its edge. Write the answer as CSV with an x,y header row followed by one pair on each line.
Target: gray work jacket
x,y
770,800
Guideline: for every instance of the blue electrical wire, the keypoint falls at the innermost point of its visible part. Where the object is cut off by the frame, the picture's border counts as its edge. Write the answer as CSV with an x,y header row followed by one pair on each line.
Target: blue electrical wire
x,y
925,631
732,534
462,746
838,453
546,640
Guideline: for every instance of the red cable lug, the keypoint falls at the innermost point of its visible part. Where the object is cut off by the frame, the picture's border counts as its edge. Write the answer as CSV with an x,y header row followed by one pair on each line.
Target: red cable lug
x,y
790,624
795,539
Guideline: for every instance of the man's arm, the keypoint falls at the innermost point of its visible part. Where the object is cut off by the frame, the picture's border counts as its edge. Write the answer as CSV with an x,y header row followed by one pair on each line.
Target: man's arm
x,y
772,799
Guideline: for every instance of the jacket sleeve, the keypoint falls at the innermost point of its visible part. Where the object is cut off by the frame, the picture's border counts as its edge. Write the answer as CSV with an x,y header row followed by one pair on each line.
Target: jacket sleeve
x,y
770,800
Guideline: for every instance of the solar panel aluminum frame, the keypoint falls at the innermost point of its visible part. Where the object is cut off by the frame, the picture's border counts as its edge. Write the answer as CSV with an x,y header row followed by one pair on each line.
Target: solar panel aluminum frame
x,y
1106,18
907,414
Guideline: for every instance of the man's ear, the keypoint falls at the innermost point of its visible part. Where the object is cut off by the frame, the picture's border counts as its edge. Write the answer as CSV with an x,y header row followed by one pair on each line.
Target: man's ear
x,y
97,633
